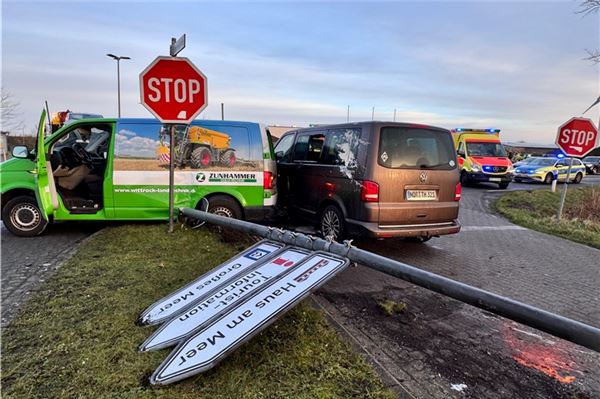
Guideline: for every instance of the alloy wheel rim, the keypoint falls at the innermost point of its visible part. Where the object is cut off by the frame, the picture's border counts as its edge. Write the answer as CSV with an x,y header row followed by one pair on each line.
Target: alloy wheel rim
x,y
330,225
222,211
25,217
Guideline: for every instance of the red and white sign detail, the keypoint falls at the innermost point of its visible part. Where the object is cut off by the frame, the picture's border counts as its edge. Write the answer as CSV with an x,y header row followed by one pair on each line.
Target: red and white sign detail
x,y
173,89
577,137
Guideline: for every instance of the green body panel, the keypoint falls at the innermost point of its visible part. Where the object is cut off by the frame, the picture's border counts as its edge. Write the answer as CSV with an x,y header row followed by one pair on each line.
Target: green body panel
x,y
17,174
42,190
136,202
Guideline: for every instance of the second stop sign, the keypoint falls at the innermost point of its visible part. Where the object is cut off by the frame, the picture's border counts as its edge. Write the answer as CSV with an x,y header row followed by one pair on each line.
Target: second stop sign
x,y
577,137
173,89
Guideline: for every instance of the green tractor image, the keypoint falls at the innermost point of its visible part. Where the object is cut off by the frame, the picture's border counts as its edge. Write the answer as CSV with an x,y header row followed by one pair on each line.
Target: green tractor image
x,y
200,148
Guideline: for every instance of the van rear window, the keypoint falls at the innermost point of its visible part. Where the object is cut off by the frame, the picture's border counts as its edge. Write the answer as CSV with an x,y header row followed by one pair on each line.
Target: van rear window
x,y
415,148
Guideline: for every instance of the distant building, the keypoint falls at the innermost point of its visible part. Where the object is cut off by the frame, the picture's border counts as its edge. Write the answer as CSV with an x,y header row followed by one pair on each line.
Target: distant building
x,y
3,146
529,149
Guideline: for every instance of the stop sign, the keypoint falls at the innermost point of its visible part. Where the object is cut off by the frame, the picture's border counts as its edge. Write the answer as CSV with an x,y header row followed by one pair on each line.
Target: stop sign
x,y
577,137
173,89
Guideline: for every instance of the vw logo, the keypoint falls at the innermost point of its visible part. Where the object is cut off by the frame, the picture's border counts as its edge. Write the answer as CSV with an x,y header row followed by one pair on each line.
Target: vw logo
x,y
423,177
496,169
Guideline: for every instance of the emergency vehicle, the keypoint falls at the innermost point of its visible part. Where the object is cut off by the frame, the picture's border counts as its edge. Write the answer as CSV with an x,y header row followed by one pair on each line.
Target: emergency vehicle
x,y
481,157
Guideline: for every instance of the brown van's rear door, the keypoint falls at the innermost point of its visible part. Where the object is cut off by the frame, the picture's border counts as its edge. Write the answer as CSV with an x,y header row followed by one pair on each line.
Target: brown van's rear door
x,y
416,196
417,176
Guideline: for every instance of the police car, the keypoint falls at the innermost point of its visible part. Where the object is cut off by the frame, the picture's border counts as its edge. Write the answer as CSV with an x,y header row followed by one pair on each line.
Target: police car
x,y
547,169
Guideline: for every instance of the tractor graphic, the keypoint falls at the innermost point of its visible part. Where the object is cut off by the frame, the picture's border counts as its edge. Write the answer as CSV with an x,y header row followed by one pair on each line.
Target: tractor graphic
x,y
198,148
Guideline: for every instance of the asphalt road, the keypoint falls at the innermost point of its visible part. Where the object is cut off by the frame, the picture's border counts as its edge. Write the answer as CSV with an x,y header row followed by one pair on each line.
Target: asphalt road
x,y
438,344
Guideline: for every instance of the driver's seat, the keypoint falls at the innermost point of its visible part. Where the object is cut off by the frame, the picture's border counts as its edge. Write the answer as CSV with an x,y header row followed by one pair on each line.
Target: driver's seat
x,y
69,178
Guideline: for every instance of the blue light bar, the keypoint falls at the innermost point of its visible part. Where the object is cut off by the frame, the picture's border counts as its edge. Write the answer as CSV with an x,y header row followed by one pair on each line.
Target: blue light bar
x,y
560,155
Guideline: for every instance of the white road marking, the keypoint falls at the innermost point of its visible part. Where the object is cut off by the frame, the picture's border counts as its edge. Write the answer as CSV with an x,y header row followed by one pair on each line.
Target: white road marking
x,y
484,228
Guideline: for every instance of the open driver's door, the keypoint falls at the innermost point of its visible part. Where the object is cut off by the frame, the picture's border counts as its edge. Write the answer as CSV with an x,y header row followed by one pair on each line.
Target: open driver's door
x,y
45,192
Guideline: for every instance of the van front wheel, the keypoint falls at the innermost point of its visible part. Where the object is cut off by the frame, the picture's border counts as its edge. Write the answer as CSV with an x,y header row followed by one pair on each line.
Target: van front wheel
x,y
22,217
332,223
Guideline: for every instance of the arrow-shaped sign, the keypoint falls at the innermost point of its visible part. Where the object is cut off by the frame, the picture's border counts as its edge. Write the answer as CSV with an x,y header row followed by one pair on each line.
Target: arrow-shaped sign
x,y
207,284
236,291
211,344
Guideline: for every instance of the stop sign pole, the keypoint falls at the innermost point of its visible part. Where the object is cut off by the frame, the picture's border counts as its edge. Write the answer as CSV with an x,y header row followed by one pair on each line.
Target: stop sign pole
x,y
576,138
174,90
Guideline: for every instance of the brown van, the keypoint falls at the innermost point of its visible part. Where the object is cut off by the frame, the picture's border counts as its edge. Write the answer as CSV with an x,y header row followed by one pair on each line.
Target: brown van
x,y
375,179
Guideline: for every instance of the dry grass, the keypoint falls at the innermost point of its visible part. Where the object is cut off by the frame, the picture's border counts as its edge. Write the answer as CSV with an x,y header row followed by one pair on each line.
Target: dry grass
x,y
587,207
153,164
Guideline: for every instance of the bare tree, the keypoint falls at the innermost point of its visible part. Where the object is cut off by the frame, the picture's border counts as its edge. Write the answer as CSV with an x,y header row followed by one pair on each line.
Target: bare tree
x,y
588,7
10,113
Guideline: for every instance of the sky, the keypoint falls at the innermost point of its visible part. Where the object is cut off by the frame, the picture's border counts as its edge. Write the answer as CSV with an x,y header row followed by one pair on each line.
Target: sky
x,y
518,66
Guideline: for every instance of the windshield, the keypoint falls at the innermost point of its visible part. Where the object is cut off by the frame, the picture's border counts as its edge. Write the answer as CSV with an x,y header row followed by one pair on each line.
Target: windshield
x,y
543,162
405,147
486,149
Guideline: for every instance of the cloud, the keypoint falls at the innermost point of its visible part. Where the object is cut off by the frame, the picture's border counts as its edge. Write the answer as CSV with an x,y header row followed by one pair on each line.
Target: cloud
x,y
129,144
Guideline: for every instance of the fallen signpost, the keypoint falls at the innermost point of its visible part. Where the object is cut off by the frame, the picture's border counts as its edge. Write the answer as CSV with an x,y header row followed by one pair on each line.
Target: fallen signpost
x,y
230,293
205,285
209,345
559,326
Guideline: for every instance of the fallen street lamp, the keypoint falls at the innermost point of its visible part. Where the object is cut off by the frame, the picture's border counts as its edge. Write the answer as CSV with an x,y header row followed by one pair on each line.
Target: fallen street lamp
x,y
118,59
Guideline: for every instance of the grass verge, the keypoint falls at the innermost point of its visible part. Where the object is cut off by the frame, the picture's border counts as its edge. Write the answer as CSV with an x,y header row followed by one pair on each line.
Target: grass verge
x,y
537,210
76,336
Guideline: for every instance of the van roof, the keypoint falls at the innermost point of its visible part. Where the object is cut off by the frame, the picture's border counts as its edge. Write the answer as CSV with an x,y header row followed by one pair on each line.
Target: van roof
x,y
375,124
216,122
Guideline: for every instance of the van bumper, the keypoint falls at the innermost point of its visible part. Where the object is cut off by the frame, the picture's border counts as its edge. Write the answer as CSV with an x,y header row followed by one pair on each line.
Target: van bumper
x,y
483,177
259,213
374,230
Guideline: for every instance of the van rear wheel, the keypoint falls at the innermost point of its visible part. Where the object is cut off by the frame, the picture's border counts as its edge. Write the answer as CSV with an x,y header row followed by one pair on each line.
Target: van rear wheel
x,y
22,217
578,178
224,206
332,223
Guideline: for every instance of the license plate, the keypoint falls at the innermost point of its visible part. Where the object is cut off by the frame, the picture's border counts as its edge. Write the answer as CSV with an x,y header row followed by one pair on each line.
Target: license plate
x,y
421,195
495,179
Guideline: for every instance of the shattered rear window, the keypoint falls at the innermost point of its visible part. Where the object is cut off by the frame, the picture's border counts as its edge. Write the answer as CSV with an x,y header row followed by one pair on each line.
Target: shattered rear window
x,y
416,148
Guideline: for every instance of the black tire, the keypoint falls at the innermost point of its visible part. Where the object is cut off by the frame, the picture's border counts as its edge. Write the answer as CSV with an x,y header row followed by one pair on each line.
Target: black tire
x,y
201,158
224,206
22,217
228,158
548,179
578,178
331,223
464,179
595,170
503,186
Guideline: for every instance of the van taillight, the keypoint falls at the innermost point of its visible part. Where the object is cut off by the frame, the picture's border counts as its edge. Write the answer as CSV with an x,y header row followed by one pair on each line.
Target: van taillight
x,y
369,191
457,192
268,180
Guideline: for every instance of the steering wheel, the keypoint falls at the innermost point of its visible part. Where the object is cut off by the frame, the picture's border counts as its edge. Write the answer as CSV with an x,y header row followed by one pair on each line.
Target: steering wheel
x,y
83,155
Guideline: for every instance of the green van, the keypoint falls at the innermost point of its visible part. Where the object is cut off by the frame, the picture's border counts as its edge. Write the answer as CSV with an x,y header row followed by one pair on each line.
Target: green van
x,y
118,169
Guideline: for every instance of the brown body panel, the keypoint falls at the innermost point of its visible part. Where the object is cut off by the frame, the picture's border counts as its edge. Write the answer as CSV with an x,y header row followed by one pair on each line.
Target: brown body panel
x,y
312,185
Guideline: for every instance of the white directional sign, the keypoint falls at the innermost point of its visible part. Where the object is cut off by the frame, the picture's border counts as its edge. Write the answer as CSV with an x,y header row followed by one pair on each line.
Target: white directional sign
x,y
236,291
209,345
207,284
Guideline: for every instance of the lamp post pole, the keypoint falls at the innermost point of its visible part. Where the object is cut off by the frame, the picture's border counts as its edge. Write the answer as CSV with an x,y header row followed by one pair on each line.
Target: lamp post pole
x,y
118,59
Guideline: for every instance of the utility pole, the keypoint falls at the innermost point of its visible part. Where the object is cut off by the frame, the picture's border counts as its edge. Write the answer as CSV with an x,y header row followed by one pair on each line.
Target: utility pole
x,y
222,111
118,59
373,114
394,114
348,114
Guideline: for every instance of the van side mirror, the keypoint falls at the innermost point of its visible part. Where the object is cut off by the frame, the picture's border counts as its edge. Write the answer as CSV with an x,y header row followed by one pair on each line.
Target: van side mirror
x,y
279,155
460,153
20,151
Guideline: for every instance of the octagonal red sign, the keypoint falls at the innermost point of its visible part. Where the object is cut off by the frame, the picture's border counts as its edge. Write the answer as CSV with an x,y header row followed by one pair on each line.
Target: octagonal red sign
x,y
173,89
577,137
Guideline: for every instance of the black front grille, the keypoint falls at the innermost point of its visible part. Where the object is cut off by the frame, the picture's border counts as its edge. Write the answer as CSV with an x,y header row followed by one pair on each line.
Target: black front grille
x,y
494,169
